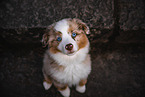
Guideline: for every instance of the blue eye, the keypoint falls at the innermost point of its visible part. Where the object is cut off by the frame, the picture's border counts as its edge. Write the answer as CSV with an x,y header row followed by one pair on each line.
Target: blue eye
x,y
59,39
74,34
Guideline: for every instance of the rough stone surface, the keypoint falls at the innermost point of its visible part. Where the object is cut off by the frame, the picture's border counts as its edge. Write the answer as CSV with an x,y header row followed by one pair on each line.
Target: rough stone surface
x,y
117,46
132,14
25,21
41,13
117,71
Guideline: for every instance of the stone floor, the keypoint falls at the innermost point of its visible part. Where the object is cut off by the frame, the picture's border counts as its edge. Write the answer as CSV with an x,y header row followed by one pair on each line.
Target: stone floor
x,y
118,70
117,46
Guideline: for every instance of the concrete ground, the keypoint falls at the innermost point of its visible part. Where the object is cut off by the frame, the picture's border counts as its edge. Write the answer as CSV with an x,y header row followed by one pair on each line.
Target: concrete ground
x,y
118,70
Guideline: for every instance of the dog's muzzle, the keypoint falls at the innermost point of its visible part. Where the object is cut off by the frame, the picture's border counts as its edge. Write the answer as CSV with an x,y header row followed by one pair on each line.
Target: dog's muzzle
x,y
69,47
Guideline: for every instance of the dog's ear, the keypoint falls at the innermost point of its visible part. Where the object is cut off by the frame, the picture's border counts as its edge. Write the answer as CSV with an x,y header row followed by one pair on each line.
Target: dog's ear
x,y
45,39
83,26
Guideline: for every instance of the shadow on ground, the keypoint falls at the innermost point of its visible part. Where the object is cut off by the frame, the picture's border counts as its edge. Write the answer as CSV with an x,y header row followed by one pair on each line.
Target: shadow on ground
x,y
118,70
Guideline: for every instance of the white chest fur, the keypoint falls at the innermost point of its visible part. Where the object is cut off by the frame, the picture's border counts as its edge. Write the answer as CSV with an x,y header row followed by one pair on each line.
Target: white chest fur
x,y
77,67
72,73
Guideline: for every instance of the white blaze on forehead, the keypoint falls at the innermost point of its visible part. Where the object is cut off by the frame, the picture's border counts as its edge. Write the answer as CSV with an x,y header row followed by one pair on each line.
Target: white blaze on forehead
x,y
62,26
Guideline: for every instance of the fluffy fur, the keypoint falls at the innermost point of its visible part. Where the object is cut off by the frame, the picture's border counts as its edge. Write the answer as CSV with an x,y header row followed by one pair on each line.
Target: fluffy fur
x,y
66,67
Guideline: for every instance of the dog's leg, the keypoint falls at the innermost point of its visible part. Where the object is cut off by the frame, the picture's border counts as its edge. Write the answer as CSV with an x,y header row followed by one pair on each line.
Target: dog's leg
x,y
81,87
63,89
47,82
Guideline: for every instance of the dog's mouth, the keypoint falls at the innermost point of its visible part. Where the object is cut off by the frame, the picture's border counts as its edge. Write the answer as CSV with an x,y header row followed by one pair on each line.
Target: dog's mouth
x,y
70,53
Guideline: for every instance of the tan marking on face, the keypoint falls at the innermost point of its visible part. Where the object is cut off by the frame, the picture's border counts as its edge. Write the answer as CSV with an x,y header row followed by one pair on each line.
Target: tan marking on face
x,y
54,50
72,26
76,24
53,43
82,40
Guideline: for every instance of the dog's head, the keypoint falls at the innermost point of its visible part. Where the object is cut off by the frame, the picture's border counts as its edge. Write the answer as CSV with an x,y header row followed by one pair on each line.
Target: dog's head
x,y
66,36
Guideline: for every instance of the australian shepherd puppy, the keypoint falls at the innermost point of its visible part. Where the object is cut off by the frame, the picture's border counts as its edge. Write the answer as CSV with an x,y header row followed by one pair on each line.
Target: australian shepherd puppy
x,y
67,61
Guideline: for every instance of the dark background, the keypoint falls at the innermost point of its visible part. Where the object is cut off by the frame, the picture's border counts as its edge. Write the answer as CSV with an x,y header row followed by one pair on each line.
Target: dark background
x,y
117,45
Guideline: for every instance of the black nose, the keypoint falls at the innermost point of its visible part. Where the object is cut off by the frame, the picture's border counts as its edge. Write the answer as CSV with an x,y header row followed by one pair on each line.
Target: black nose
x,y
69,47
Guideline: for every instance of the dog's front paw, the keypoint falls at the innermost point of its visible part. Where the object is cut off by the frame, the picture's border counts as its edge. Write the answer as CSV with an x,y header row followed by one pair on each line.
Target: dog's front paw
x,y
81,89
66,92
46,85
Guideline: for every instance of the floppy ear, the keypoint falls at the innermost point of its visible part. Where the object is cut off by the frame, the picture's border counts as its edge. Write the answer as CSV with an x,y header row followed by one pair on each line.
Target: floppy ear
x,y
45,39
83,26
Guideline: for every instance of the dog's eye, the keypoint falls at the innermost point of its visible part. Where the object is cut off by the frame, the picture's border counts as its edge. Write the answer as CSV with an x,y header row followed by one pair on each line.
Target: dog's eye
x,y
58,38
74,35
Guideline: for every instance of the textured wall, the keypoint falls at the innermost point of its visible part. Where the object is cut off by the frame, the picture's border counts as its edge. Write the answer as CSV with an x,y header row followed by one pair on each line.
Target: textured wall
x,y
132,14
120,20
41,13
118,64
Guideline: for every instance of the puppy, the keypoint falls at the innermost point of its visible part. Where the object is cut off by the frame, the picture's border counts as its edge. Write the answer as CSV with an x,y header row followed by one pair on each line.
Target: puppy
x,y
67,61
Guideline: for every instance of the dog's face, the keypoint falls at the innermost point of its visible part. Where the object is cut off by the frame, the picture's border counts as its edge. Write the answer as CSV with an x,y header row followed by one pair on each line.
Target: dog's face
x,y
66,36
